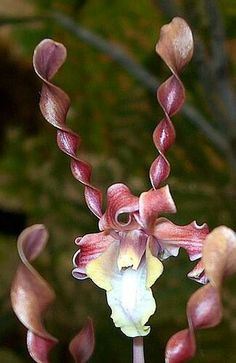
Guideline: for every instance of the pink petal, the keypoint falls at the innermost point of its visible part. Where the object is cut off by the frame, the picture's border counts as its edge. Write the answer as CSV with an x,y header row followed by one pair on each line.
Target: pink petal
x,y
54,104
31,295
90,247
154,202
171,237
82,345
119,201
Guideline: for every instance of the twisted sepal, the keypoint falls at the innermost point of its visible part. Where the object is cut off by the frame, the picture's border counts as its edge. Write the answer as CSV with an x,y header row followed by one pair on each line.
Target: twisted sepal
x,y
82,345
175,47
31,295
204,308
54,104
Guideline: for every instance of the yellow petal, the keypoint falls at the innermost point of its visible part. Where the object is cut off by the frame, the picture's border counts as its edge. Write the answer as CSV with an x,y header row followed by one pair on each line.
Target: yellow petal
x,y
154,267
102,268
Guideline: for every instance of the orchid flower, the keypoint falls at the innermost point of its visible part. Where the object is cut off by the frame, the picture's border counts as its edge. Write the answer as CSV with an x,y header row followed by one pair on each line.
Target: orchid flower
x,y
125,257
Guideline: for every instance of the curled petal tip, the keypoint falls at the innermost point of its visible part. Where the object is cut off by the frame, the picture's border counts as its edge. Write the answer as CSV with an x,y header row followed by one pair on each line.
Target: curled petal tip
x,y
48,58
82,345
176,44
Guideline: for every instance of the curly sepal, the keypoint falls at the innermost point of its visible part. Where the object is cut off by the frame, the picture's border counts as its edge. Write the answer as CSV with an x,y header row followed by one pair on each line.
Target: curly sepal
x,y
54,104
31,295
175,47
204,308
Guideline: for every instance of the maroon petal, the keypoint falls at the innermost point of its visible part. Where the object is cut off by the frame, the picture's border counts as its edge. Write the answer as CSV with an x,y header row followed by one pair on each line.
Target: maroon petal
x,y
119,201
90,247
82,345
31,295
54,104
172,237
154,202
175,47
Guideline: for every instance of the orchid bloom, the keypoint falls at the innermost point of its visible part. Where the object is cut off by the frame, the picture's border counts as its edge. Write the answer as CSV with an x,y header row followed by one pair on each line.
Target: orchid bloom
x,y
125,257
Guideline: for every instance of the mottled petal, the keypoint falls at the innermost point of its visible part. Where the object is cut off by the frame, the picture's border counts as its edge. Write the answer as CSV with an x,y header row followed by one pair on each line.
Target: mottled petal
x,y
90,247
171,237
154,267
31,295
119,201
82,345
132,247
154,202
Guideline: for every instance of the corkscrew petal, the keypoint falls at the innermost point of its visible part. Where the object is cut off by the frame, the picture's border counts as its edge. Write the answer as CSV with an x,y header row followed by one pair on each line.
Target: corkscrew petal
x,y
204,308
31,295
175,46
54,104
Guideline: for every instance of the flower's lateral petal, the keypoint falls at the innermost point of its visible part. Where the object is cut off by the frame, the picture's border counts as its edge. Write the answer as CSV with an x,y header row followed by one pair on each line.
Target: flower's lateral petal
x,y
82,345
175,45
90,247
132,248
101,269
172,237
131,302
119,201
219,254
154,202
154,267
31,295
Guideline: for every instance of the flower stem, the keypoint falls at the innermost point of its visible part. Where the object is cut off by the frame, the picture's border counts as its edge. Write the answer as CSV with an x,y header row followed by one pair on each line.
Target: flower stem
x,y
138,354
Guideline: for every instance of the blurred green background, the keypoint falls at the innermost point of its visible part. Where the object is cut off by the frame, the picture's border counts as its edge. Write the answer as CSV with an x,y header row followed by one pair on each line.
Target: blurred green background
x,y
115,111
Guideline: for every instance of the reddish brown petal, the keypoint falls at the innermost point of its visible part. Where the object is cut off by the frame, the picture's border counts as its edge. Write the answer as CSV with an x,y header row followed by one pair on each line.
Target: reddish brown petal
x,y
82,345
54,104
175,47
171,237
154,202
31,295
90,247
119,201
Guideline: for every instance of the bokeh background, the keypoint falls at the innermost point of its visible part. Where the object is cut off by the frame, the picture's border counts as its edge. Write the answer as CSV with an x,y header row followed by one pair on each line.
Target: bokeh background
x,y
111,75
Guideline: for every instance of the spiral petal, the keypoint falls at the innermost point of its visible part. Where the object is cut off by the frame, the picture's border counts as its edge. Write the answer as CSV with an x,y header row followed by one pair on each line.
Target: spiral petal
x,y
54,104
31,295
